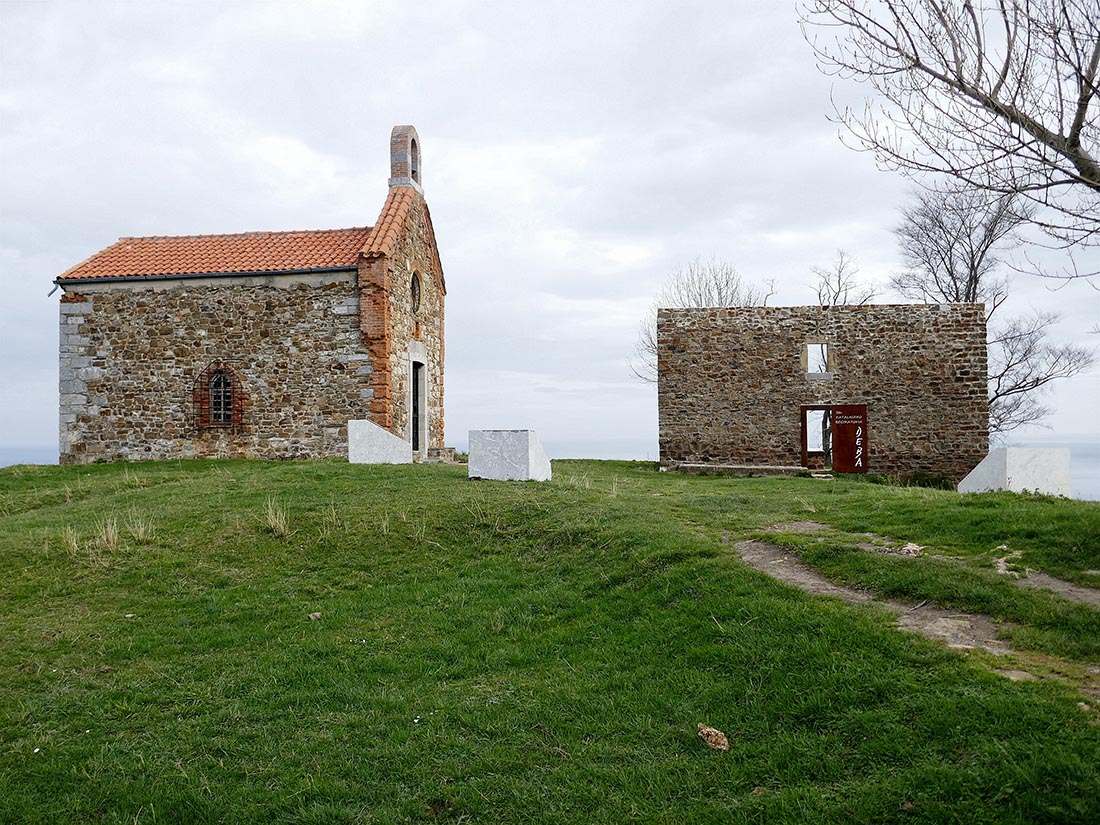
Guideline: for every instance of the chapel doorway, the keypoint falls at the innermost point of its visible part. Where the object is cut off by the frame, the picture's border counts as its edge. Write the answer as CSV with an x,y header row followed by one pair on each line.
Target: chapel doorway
x,y
418,392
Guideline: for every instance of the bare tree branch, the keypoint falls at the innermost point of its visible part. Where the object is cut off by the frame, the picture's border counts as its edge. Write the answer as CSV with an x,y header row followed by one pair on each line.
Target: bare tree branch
x,y
1022,363
715,283
839,283
1000,95
951,243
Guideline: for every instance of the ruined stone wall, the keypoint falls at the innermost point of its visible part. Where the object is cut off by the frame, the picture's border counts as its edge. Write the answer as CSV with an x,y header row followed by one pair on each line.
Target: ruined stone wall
x,y
731,383
130,354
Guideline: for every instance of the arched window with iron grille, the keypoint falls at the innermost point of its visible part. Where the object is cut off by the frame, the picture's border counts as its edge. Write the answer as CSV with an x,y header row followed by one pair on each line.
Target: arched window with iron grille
x,y
218,399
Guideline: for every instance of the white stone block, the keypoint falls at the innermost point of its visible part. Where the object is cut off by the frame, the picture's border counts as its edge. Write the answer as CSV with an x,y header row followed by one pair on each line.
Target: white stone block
x,y
370,444
508,455
1021,469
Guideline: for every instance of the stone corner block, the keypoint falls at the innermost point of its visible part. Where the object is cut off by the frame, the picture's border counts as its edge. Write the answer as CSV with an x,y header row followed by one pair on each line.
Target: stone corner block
x,y
370,444
1022,470
508,455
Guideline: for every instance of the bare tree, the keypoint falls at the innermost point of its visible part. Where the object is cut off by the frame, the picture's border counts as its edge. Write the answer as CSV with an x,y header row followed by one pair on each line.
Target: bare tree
x,y
1021,364
1000,94
951,243
839,284
715,283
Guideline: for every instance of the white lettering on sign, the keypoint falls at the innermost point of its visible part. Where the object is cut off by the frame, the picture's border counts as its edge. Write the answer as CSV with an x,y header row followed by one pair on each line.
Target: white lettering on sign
x,y
847,418
859,447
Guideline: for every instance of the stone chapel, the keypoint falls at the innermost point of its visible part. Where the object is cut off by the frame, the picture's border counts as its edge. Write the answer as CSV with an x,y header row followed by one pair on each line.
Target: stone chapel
x,y
259,344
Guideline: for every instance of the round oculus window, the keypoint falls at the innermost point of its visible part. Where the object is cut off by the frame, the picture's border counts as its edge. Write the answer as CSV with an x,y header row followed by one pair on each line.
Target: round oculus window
x,y
414,288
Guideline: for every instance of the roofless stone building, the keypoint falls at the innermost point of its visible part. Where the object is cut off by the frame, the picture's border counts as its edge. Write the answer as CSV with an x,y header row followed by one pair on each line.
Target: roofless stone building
x,y
261,344
897,390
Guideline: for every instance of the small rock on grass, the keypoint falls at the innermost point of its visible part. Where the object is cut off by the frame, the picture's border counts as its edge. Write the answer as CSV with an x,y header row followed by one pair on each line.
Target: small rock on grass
x,y
714,738
314,616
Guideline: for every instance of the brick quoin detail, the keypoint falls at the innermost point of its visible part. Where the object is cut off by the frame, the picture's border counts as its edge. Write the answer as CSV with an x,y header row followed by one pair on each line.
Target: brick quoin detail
x,y
440,388
374,323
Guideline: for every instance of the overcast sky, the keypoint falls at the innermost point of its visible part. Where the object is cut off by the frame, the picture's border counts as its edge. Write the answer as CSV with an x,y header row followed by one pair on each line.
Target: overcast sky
x,y
573,155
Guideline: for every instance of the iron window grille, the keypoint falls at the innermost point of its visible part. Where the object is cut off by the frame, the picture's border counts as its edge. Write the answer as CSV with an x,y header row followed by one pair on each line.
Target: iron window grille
x,y
221,399
218,399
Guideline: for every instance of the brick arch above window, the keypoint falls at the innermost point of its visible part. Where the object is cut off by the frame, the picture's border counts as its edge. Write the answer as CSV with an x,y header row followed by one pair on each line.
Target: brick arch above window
x,y
219,399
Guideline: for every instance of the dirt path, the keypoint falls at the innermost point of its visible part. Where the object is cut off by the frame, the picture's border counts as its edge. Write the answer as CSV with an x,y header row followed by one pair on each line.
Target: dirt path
x,y
956,628
1034,579
1067,590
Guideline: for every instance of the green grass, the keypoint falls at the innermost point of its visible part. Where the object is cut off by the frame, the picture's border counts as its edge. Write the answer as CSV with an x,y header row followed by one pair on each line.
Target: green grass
x,y
517,652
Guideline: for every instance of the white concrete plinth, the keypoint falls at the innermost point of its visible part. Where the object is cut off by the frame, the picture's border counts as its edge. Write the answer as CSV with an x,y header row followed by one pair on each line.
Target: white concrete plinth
x,y
1021,470
370,444
508,455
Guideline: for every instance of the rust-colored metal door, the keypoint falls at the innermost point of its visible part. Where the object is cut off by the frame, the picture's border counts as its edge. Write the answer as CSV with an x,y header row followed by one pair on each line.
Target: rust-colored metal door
x,y
849,423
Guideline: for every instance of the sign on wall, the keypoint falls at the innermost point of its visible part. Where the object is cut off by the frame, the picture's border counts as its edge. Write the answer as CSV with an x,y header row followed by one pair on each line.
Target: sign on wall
x,y
849,438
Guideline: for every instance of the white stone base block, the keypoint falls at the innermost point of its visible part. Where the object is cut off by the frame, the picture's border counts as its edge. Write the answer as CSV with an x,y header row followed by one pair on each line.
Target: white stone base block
x,y
508,455
1021,470
370,444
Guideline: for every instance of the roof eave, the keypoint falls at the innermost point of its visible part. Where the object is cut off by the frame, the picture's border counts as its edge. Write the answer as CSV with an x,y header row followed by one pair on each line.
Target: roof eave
x,y
62,281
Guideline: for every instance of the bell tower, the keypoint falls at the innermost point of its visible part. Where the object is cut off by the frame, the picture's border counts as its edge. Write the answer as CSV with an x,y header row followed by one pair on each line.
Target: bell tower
x,y
405,158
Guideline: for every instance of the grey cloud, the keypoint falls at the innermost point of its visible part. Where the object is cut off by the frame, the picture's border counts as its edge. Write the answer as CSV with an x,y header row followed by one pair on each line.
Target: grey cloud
x,y
573,155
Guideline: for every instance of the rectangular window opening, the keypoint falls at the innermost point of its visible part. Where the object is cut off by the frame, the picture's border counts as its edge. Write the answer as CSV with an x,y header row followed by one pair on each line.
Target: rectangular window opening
x,y
817,358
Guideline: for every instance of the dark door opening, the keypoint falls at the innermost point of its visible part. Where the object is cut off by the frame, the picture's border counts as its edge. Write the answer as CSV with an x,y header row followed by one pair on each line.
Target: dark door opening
x,y
417,402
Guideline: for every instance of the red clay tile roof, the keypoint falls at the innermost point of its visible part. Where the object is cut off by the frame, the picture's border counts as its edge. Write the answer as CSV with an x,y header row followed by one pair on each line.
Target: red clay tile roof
x,y
390,222
246,252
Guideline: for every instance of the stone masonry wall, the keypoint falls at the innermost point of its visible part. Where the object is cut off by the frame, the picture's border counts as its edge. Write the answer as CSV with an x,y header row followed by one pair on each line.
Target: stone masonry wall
x,y
130,355
731,383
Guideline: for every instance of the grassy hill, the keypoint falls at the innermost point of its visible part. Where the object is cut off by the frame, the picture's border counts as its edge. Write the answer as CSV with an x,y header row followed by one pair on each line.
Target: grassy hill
x,y
492,652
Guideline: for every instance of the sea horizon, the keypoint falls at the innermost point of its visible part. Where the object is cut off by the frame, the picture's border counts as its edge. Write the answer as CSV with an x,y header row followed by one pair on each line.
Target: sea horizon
x,y
1084,454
